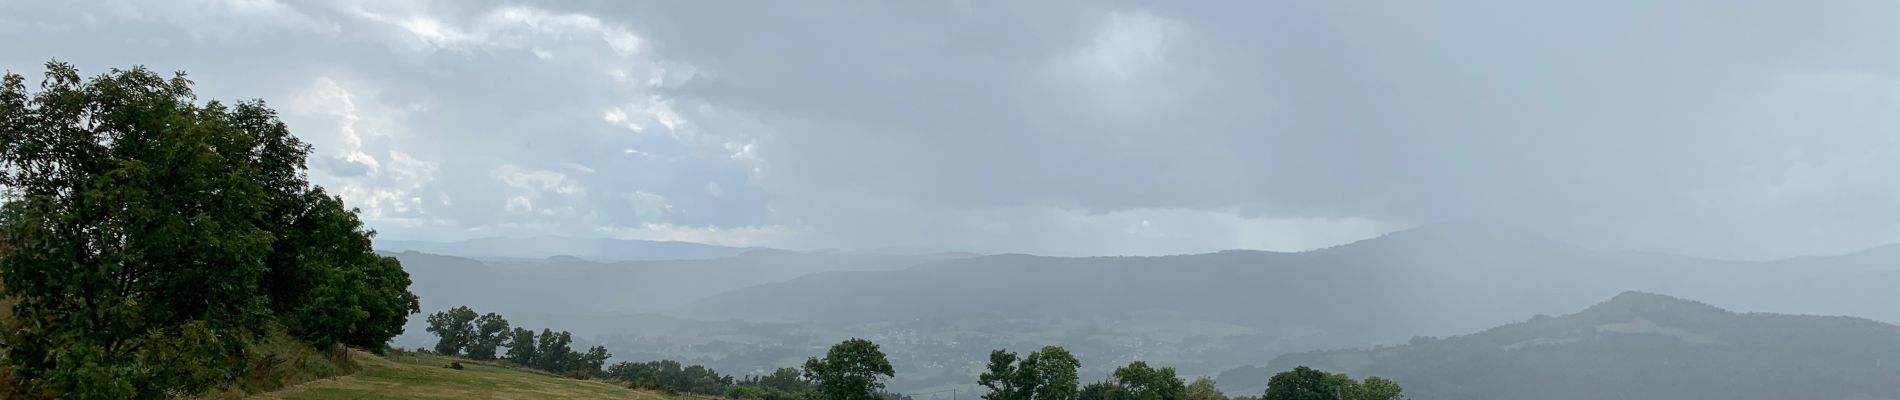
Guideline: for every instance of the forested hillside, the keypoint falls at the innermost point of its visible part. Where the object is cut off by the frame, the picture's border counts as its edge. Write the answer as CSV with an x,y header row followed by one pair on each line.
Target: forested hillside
x,y
1202,313
1435,280
1635,346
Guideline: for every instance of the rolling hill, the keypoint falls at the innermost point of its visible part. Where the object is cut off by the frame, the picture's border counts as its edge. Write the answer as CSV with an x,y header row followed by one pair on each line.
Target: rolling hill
x,y
1203,313
1436,280
416,376
543,290
586,287
1636,346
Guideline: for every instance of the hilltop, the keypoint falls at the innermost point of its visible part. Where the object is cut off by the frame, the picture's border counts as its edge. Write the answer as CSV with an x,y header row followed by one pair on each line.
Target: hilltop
x,y
1634,346
1436,280
418,376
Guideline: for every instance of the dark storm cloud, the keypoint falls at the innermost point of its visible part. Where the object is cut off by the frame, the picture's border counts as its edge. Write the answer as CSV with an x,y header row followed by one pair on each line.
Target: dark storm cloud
x,y
1747,129
1736,129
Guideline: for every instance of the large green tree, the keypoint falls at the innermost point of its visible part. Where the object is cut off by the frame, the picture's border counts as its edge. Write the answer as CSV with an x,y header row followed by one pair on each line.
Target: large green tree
x,y
850,371
1046,374
327,282
1004,379
521,348
1302,383
150,238
1374,388
490,331
454,330
1101,391
1203,388
1140,382
555,352
593,359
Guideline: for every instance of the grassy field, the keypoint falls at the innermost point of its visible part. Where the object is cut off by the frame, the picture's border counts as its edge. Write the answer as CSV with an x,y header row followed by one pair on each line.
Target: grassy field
x,y
423,377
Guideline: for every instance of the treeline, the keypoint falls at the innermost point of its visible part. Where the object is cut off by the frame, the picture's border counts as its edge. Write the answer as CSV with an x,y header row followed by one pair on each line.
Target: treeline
x,y
461,333
849,371
148,243
855,370
1050,374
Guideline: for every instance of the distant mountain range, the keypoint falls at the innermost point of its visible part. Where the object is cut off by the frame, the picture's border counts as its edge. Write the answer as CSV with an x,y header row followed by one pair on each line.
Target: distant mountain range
x,y
575,286
539,247
1436,280
1636,346
1204,313
571,286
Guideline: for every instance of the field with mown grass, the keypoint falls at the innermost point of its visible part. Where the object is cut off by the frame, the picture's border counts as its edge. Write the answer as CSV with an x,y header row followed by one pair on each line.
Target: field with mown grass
x,y
421,376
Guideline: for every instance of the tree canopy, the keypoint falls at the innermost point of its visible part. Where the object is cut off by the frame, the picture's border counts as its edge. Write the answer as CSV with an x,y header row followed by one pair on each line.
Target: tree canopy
x,y
1046,374
150,238
454,330
1303,383
1203,388
852,370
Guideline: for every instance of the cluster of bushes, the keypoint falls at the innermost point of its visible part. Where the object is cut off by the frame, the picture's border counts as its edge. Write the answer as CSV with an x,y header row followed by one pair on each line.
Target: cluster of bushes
x,y
151,242
461,332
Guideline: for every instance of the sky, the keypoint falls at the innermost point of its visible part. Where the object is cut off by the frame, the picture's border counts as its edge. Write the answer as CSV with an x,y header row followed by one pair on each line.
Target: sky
x,y
1731,129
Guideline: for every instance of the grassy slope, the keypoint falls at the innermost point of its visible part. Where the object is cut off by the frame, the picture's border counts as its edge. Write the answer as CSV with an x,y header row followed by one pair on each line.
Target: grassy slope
x,y
423,377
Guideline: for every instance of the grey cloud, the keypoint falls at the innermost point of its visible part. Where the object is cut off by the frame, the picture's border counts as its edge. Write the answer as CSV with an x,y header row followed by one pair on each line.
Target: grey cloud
x,y
423,112
1737,129
341,167
1694,127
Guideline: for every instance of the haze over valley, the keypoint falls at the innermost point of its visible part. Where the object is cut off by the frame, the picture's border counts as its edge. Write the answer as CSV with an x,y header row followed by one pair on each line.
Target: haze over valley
x,y
949,199
1206,314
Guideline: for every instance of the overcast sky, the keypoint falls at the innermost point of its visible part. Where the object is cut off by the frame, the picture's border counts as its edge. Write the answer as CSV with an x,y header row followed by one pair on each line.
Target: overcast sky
x,y
1737,129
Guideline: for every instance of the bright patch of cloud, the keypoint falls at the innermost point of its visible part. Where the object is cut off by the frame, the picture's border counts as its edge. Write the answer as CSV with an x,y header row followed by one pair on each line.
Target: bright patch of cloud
x,y
764,235
536,180
355,155
648,204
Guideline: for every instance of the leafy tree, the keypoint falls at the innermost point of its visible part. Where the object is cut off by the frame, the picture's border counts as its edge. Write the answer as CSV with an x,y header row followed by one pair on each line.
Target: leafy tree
x,y
1302,383
326,281
1047,374
454,330
1141,382
1101,391
1055,373
850,371
521,347
552,354
596,357
149,238
1375,388
490,330
1004,378
668,375
387,305
1204,388
788,380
